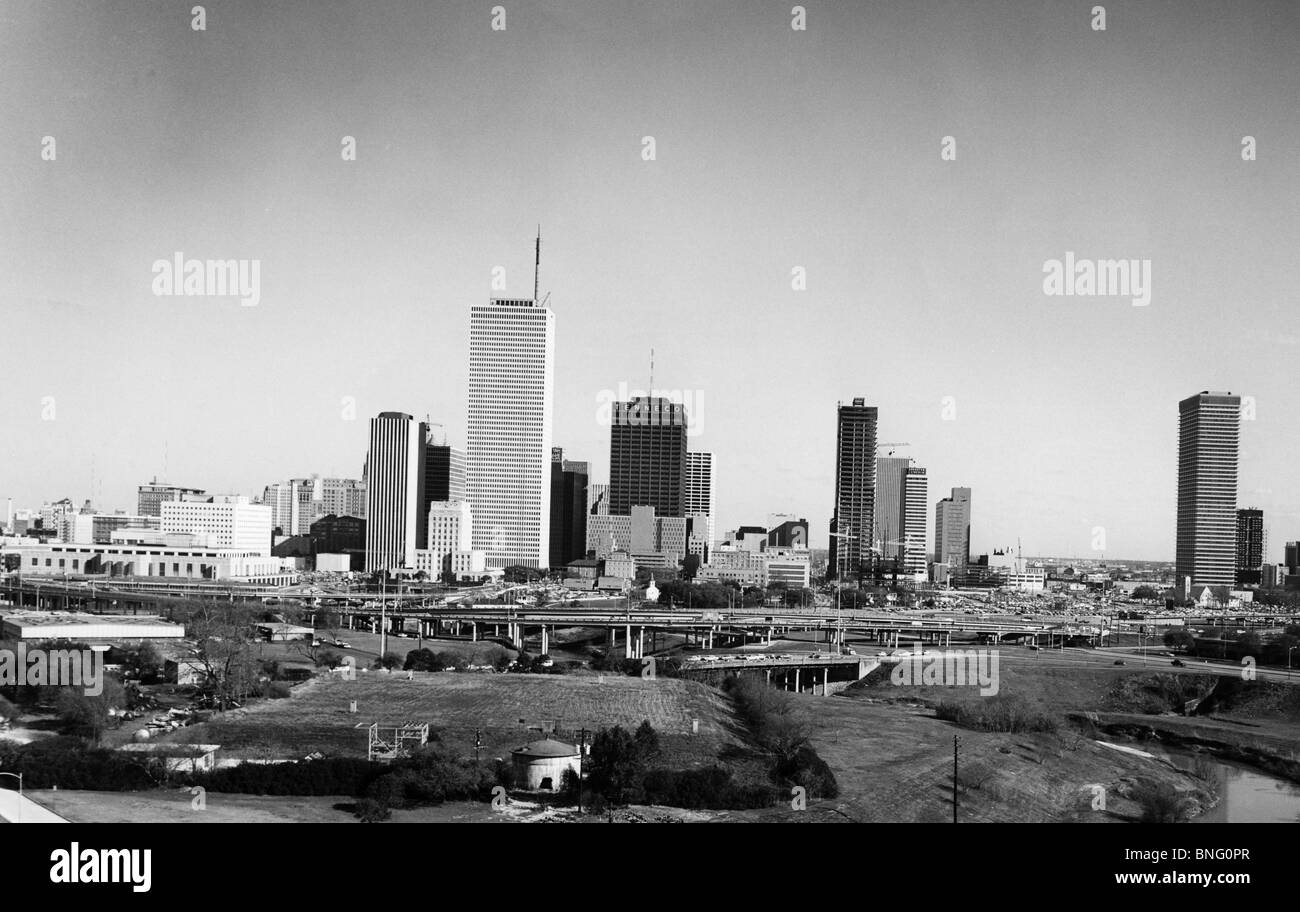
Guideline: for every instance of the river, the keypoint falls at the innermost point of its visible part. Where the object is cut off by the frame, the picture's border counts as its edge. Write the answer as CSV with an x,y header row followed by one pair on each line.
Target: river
x,y
1247,795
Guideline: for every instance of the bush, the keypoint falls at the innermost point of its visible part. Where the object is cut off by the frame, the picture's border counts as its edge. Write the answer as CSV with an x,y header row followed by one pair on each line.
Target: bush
x,y
1001,713
705,789
371,811
276,690
807,769
72,763
773,717
1160,802
330,776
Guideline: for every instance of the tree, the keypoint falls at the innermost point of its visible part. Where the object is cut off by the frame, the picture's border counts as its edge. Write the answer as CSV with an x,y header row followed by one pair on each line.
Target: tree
x,y
1146,593
647,740
617,765
1179,638
222,636
690,566
86,715
1249,644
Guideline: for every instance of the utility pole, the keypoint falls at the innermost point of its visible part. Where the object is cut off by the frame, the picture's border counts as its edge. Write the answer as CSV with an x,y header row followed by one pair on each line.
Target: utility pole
x,y
955,741
582,749
383,617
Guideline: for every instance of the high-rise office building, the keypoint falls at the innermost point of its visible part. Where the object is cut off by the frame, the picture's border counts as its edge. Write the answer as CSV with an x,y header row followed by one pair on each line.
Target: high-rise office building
x,y
444,476
647,456
343,497
153,495
444,472
220,521
1209,427
1250,547
295,504
952,529
916,512
697,499
597,499
451,524
396,521
508,452
853,522
889,507
568,509
1291,556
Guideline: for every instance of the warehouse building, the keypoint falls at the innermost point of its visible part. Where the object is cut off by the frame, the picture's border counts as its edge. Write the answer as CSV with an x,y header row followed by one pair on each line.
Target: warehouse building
x,y
61,625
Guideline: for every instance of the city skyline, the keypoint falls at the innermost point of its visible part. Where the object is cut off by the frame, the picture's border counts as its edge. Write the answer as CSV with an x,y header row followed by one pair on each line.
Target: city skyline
x,y
1055,410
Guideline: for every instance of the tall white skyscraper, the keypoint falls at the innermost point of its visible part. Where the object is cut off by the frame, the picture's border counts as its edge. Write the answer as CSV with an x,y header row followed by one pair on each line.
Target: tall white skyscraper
x,y
395,515
916,510
508,452
697,499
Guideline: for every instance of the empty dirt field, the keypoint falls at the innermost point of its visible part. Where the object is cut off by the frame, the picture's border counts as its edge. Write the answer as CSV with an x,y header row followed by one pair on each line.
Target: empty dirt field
x,y
504,707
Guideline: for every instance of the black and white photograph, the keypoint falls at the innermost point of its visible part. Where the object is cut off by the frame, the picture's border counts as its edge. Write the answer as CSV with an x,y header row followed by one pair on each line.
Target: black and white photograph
x,y
676,411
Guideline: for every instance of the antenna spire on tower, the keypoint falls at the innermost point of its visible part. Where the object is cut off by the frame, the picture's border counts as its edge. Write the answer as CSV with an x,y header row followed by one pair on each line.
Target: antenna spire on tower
x,y
537,263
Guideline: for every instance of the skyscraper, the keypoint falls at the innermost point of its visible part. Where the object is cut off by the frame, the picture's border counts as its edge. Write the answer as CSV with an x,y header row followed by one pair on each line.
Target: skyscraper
x,y
152,496
952,529
1209,426
1250,547
444,478
568,509
395,513
508,452
853,522
916,512
889,509
698,496
647,456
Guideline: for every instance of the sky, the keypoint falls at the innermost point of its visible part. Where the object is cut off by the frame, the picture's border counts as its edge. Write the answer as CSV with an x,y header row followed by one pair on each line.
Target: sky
x,y
774,149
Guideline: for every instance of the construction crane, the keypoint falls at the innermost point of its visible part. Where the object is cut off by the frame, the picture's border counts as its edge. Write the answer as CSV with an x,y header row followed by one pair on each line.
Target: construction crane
x,y
892,447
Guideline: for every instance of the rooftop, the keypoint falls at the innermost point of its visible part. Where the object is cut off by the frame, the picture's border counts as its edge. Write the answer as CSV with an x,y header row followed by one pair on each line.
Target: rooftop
x,y
546,747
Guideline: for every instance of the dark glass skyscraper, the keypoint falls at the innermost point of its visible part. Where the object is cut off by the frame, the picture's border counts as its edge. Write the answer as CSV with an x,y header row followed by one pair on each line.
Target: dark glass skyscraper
x,y
1250,547
568,509
853,523
1209,427
647,456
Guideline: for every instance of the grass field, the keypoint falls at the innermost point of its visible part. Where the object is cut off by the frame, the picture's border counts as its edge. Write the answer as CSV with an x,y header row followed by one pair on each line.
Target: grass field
x,y
316,716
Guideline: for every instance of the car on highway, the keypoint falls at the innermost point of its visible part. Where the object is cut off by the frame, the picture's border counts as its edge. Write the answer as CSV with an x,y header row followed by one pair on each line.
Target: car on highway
x,y
341,645
1119,661
1178,663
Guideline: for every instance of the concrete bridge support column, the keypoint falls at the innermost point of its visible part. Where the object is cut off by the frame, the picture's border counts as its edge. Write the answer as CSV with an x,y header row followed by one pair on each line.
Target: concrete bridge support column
x,y
796,680
627,641
826,682
473,631
611,637
640,643
374,625
769,636
546,641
